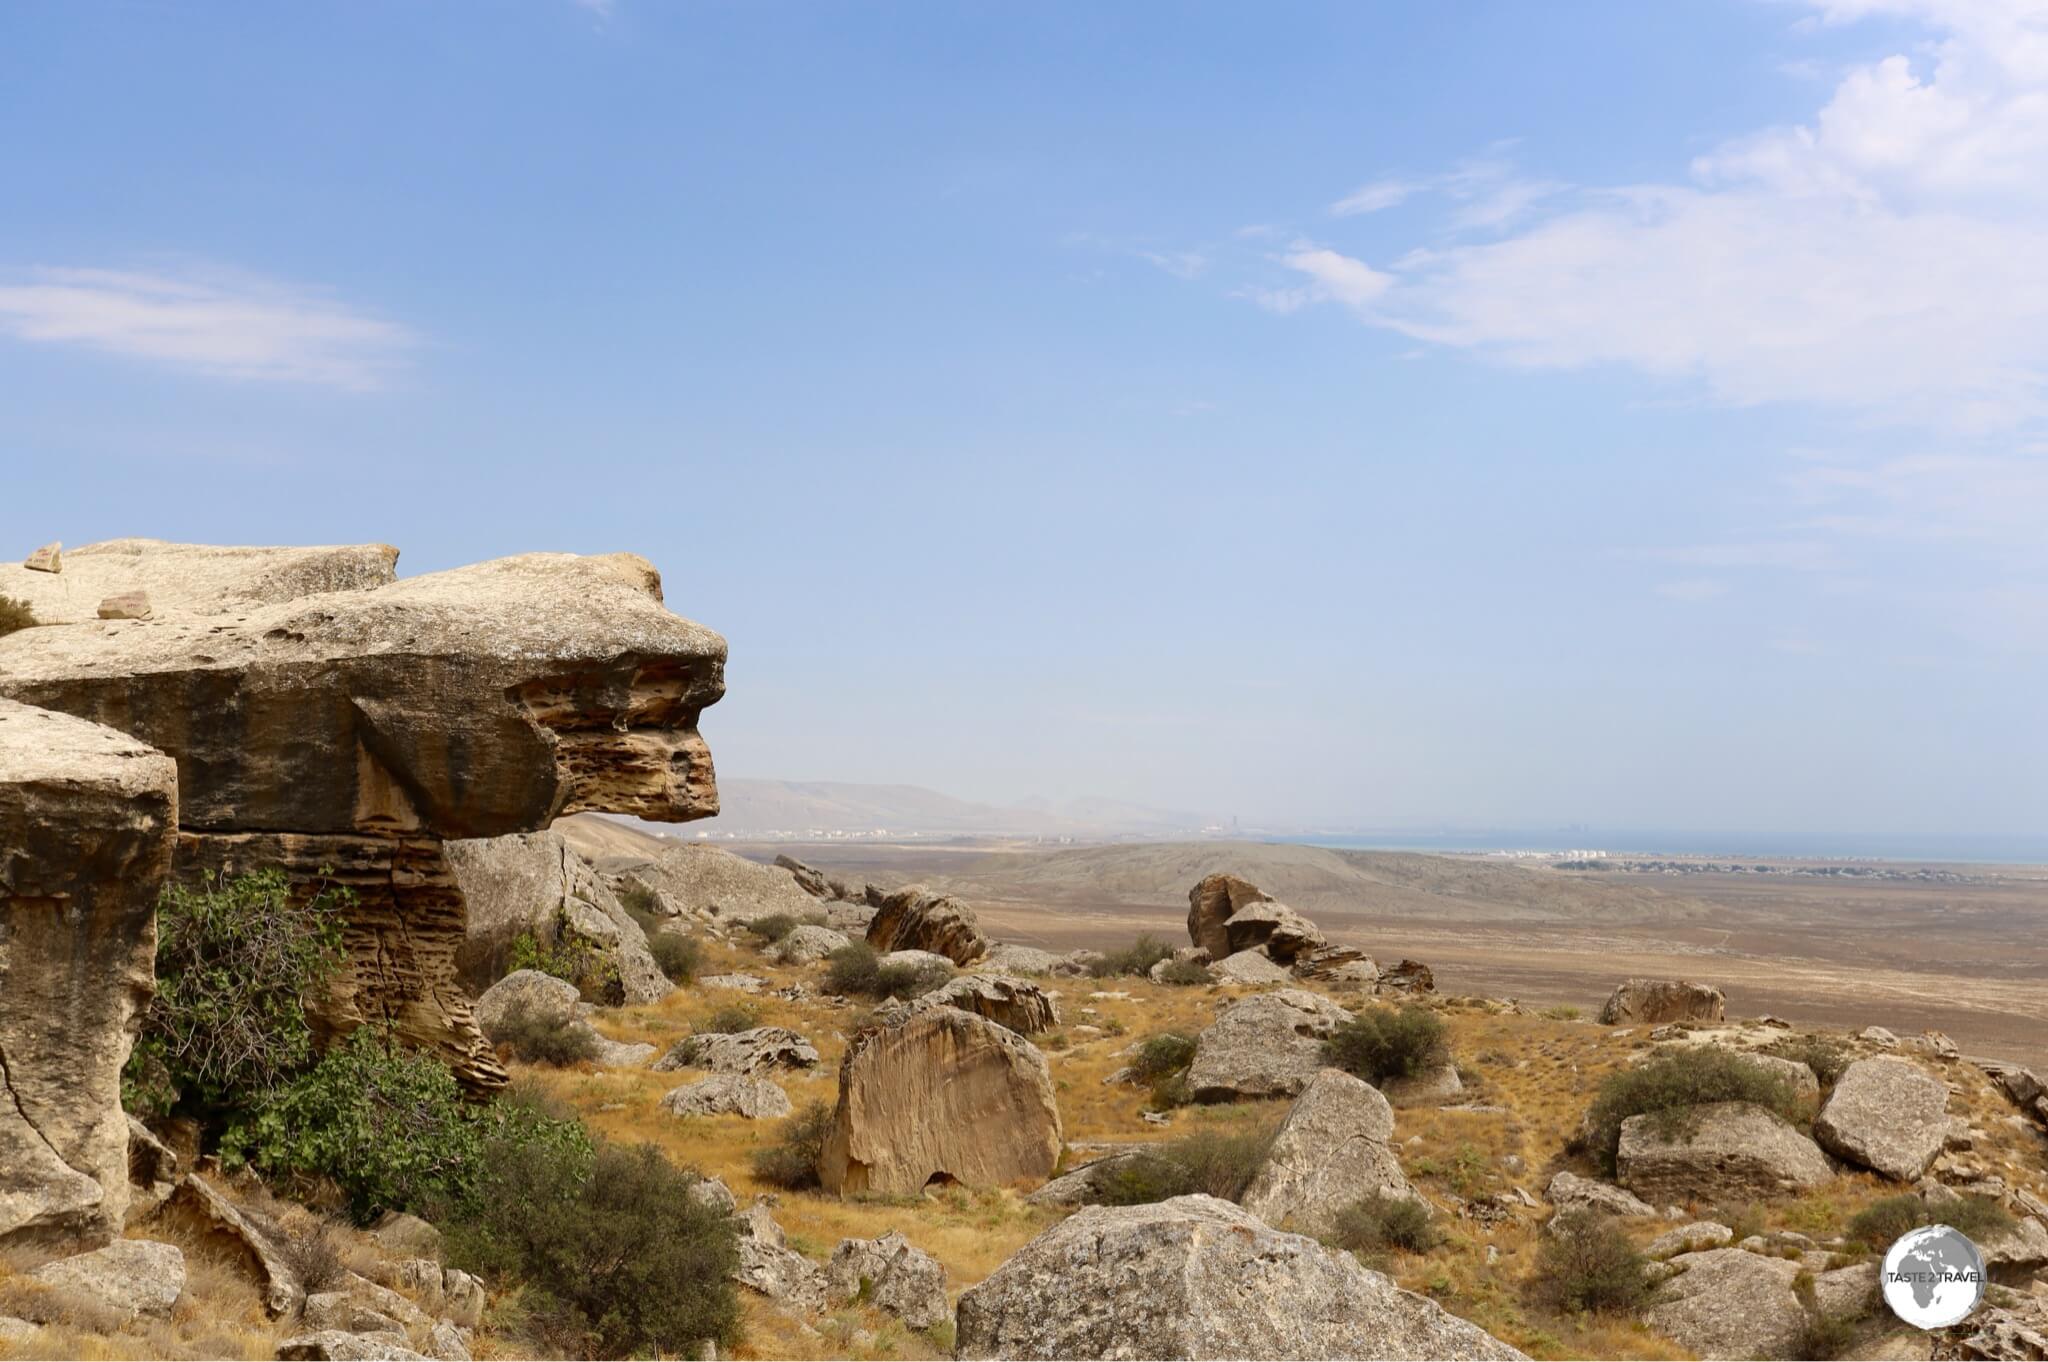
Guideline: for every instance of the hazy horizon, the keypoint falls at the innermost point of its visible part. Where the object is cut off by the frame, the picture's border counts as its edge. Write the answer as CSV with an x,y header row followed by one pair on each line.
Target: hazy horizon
x,y
1495,416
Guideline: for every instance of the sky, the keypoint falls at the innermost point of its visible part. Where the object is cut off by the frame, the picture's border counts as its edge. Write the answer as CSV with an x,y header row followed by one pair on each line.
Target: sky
x,y
1486,414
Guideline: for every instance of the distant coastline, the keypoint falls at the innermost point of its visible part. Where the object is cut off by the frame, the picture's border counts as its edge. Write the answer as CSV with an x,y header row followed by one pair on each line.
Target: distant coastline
x,y
1949,850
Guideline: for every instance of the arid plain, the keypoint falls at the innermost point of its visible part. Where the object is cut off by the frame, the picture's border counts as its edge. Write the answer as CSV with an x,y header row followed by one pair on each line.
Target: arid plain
x,y
1959,948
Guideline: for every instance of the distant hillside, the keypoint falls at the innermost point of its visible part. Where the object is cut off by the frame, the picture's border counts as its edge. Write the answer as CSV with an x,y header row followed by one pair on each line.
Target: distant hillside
x,y
751,807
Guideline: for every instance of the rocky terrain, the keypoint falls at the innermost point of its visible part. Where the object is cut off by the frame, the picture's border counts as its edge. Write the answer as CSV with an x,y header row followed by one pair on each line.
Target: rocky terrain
x,y
1265,1132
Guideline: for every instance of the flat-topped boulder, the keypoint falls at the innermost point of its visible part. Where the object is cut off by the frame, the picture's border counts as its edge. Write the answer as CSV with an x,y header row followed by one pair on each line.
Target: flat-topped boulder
x,y
757,1051
1654,1002
917,919
1267,1045
1885,1114
1019,1004
88,818
1570,1192
1195,1277
727,1095
945,1097
1722,1152
1211,904
191,579
893,1274
1333,1148
1274,928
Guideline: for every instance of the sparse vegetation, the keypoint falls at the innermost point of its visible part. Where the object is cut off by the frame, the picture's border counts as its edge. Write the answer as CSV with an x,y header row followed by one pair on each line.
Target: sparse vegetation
x,y
1388,1042
1561,1012
539,1038
1587,1263
1823,1336
855,971
1137,958
15,614
1826,1057
1877,1225
1184,973
730,1018
1670,1086
1163,1054
792,1161
773,927
675,954
1219,1163
1380,1222
573,959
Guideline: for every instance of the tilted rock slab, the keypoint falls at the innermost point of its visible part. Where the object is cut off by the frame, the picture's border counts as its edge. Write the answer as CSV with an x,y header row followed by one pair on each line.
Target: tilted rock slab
x,y
1570,1192
88,819
1019,1004
714,885
899,1277
360,729
1211,904
1885,1114
1195,1277
1267,1045
1274,928
1729,1151
1333,1148
916,919
946,1095
1652,1002
1728,1303
768,1265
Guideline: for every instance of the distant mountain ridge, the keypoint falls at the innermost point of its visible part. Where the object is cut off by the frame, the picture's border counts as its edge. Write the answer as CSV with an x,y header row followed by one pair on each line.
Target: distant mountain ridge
x,y
755,807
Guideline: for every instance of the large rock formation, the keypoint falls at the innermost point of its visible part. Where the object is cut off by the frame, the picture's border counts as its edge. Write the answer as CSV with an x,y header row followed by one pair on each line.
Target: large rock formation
x,y
1274,928
1885,1114
1267,1045
192,579
1211,904
87,818
1195,1277
894,1275
713,885
355,730
1019,1004
1728,1303
1722,1152
1333,1149
947,1096
1653,1002
916,919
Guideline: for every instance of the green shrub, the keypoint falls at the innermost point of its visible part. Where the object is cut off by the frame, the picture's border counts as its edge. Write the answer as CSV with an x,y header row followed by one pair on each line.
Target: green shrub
x,y
1220,1163
774,927
730,1018
235,959
1880,1223
1380,1221
1822,1336
1169,1091
1585,1262
540,1038
850,970
15,615
1184,973
676,955
612,1254
1163,1054
1827,1058
1561,1012
904,979
1137,958
1385,1042
1670,1086
792,1161
573,959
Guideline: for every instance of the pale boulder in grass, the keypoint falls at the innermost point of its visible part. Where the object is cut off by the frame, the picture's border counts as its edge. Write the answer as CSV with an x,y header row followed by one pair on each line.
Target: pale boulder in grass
x,y
1885,1114
1722,1152
1333,1148
899,1277
1267,1045
1728,1303
131,1277
728,1095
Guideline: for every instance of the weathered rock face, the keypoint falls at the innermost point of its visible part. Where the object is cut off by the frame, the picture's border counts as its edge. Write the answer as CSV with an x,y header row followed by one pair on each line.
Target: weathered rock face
x,y
359,728
87,824
193,579
129,1276
1211,904
1268,1045
757,1051
899,1277
946,1096
1332,1149
1652,1002
1409,976
1091,1183
917,919
1885,1114
1019,1004
1007,957
1731,1151
1799,1077
768,1264
1570,1192
1728,1303
727,1095
808,878
537,883
1274,928
808,944
540,996
714,885
1195,1277
1433,1087
1248,967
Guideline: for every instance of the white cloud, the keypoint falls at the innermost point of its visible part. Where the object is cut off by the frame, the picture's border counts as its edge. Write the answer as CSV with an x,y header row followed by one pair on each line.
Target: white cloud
x,y
1179,264
1333,278
225,325
1373,197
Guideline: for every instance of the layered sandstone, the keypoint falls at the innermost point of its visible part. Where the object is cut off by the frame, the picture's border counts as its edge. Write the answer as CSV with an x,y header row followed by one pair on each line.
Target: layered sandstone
x,y
915,919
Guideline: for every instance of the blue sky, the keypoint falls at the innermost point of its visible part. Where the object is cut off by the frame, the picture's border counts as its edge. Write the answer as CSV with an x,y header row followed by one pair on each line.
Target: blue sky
x,y
1628,414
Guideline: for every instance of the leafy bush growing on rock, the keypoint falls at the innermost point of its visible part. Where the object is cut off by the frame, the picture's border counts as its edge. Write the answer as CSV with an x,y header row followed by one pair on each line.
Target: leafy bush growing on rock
x,y
1669,1086
1827,1058
1219,1163
1184,973
1163,1054
15,615
1137,958
792,1161
235,959
903,979
1585,1262
1380,1221
540,1038
571,958
1877,1225
1388,1042
728,1019
774,927
855,971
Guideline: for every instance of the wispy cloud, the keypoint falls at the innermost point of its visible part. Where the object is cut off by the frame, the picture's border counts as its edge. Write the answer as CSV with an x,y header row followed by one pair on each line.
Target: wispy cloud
x,y
210,322
1331,278
1692,589
1179,264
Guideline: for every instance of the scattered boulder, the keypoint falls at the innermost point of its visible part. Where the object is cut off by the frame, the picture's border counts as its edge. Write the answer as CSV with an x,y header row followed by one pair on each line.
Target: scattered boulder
x,y
808,878
1090,1183
1019,1004
130,1277
1248,967
338,1345
1195,1277
1273,928
1211,904
758,1051
1007,957
1799,1077
88,818
915,959
946,1096
809,944
1697,1237
49,558
129,605
733,983
714,1193
1847,1291
728,1095
1727,1303
1654,1002
1267,1045
917,919
849,917
1724,1151
197,1207
1332,1149
768,1265
713,884
899,1278
406,1235
1878,1036
1885,1114
463,1297
2022,1248
1570,1192
542,997
1433,1087
1410,976
1338,967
